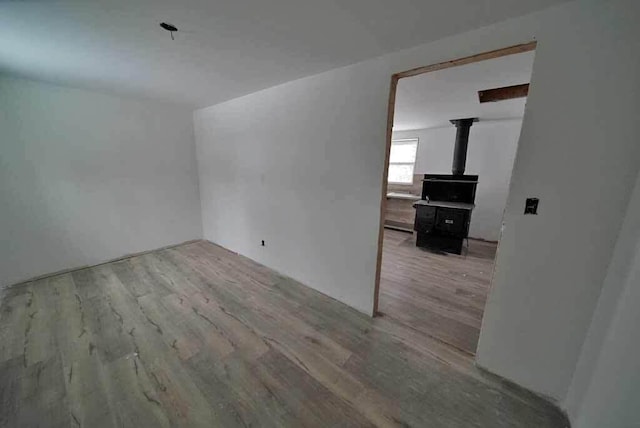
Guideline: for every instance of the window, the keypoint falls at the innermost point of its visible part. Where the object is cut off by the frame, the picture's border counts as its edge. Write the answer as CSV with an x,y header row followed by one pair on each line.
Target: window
x,y
402,161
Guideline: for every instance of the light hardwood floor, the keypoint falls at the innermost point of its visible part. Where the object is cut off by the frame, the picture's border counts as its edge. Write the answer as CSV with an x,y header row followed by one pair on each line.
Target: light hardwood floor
x,y
198,336
438,294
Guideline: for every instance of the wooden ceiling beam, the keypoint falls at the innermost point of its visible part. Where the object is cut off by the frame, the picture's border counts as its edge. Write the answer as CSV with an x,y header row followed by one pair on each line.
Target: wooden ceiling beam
x,y
505,93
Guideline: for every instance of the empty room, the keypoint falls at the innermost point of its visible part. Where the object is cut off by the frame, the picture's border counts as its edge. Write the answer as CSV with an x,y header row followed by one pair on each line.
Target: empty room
x,y
283,214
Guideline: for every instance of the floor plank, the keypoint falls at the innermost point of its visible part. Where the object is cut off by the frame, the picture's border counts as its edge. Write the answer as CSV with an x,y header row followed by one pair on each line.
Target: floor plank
x,y
439,295
198,336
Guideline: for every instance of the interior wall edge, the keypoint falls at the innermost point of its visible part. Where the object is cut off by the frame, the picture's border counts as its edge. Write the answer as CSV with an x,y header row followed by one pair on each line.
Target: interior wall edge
x,y
104,262
360,310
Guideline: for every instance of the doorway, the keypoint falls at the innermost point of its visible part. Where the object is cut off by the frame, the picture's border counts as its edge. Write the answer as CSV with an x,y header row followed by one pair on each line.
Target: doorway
x,y
452,135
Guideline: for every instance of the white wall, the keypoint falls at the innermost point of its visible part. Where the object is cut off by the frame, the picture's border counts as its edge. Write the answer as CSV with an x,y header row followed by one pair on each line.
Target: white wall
x,y
294,166
610,354
492,149
612,398
86,177
581,160
300,165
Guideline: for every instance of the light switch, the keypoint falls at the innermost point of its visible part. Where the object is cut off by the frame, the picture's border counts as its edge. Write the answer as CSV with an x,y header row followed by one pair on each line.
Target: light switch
x,y
531,206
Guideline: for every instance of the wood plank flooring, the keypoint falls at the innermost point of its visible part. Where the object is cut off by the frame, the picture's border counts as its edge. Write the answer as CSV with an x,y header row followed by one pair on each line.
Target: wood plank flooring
x,y
438,294
197,336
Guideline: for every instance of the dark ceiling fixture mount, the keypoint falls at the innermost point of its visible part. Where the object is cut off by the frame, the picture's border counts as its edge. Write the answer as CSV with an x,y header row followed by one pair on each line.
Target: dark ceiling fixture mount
x,y
170,28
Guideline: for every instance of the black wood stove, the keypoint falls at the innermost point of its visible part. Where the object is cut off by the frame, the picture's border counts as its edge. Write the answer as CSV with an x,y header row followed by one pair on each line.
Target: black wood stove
x,y
444,213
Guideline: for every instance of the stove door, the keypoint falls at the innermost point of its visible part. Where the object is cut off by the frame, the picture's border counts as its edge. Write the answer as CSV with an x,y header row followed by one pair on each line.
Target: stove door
x,y
452,222
425,218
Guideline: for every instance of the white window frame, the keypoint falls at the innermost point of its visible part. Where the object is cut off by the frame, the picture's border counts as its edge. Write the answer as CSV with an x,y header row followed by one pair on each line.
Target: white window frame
x,y
413,164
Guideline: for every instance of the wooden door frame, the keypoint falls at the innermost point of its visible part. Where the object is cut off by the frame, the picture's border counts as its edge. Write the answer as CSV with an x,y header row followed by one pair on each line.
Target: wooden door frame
x,y
525,47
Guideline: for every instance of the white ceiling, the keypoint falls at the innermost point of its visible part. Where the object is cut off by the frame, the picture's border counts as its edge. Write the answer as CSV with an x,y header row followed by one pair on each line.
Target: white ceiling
x,y
432,99
225,48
